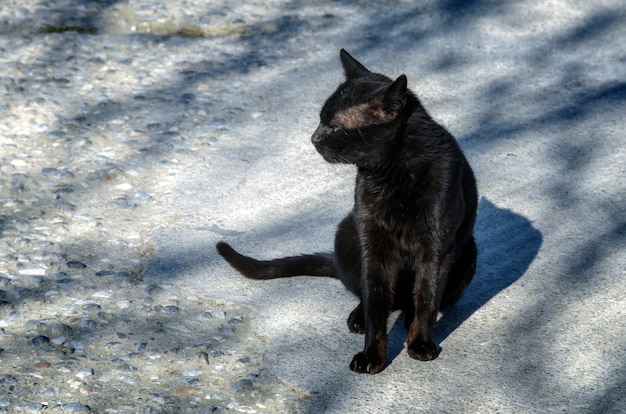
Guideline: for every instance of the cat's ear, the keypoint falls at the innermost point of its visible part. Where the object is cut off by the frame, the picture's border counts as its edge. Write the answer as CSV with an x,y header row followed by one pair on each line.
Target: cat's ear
x,y
394,98
351,67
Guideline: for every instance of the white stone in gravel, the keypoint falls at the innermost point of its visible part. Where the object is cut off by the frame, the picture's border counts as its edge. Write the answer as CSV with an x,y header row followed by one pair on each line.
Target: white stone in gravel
x,y
102,294
123,187
84,373
18,163
59,340
192,373
37,271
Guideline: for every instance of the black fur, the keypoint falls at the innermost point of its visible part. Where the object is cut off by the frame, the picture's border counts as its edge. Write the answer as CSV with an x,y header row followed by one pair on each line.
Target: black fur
x,y
408,242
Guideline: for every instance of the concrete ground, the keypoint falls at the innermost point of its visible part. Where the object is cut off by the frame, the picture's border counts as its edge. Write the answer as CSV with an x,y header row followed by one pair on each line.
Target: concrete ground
x,y
535,92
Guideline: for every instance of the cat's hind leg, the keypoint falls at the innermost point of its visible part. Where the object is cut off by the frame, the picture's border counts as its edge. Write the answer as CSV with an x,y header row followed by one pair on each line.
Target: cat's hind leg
x,y
461,274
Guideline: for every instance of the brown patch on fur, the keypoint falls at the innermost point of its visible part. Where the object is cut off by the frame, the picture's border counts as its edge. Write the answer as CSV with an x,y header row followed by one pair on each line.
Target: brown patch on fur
x,y
365,114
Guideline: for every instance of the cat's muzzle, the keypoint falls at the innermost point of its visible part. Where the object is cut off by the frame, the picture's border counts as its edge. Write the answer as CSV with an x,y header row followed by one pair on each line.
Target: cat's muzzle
x,y
319,134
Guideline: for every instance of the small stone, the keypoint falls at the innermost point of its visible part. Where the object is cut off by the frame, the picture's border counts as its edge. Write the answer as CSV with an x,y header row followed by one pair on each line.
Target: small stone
x,y
126,368
47,393
103,273
89,390
75,264
64,282
107,316
244,360
22,225
142,197
91,306
206,315
33,408
186,98
18,163
170,309
64,206
242,384
61,329
122,335
88,324
219,314
62,192
35,281
191,381
58,341
192,373
48,171
42,365
84,373
226,331
39,340
152,289
76,407
38,271
185,390
236,319
61,174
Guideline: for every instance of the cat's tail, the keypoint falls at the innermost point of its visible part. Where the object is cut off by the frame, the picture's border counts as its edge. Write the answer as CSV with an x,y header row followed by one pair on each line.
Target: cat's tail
x,y
320,264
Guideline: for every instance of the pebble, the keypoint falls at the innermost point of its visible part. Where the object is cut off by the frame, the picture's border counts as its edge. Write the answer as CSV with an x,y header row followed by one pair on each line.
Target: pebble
x,y
75,264
242,384
84,373
76,407
185,390
39,340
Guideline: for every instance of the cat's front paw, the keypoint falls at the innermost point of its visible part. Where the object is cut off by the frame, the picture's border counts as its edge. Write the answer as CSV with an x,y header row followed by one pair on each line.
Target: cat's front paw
x,y
356,321
362,364
423,351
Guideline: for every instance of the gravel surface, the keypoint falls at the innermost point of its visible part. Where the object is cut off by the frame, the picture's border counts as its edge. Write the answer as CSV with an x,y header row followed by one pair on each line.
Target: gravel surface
x,y
136,134
94,130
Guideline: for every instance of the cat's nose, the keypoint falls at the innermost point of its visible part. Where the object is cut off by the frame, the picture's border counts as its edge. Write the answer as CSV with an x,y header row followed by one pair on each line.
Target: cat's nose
x,y
317,136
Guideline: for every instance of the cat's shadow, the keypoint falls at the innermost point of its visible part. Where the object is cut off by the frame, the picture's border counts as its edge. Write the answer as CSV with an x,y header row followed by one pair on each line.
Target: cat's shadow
x,y
507,245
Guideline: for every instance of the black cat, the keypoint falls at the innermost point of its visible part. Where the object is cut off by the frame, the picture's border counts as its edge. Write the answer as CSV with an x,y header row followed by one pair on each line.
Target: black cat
x,y
408,243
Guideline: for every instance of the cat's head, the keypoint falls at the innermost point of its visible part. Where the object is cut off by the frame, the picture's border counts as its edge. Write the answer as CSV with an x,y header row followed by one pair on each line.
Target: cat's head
x,y
360,118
